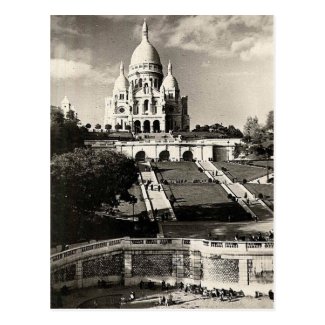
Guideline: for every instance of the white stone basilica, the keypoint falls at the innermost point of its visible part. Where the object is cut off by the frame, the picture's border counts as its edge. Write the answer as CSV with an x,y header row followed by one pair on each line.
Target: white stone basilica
x,y
146,101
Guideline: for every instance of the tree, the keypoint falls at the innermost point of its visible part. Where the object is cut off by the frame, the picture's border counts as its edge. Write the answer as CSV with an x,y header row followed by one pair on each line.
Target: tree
x,y
65,134
57,116
252,130
80,182
118,127
128,127
269,125
108,127
71,115
88,126
98,126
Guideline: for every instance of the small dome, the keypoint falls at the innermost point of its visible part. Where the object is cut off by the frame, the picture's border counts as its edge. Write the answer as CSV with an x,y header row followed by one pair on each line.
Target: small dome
x,y
145,52
121,83
170,81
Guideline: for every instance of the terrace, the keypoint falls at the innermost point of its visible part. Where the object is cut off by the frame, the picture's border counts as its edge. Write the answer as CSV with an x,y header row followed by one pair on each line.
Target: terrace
x,y
238,172
195,201
180,172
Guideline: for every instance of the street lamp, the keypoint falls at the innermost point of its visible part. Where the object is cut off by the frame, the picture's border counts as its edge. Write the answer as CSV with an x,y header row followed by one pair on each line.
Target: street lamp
x,y
228,149
133,201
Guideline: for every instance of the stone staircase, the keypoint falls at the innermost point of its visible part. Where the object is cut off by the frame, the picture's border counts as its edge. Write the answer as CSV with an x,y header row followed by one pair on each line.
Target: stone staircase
x,y
159,202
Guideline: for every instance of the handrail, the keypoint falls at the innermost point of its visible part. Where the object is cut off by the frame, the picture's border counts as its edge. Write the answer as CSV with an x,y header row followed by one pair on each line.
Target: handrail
x,y
184,242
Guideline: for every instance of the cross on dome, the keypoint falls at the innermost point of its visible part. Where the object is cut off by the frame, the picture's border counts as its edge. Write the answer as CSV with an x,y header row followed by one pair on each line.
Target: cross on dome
x,y
170,68
122,69
145,30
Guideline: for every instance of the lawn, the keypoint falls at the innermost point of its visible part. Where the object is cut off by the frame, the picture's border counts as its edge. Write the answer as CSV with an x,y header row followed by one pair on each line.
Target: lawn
x,y
204,202
241,172
266,189
126,209
179,171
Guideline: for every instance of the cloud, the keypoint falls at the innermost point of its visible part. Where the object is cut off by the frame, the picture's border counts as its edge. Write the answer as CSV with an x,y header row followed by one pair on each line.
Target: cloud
x,y
62,69
64,25
60,51
244,37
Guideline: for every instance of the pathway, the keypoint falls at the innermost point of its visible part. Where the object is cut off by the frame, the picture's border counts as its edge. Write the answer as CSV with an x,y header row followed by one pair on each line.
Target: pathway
x,y
156,195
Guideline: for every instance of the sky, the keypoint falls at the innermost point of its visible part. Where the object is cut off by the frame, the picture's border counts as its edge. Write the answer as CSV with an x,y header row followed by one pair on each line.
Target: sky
x,y
224,64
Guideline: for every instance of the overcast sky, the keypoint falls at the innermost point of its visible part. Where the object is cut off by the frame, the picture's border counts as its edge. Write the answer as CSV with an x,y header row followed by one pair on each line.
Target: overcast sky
x,y
223,63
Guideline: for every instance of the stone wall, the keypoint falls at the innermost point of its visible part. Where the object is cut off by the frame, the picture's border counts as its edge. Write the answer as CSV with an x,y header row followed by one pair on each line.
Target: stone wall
x,y
239,265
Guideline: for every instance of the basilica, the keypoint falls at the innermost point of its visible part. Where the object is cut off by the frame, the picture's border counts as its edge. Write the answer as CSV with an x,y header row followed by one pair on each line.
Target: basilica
x,y
145,101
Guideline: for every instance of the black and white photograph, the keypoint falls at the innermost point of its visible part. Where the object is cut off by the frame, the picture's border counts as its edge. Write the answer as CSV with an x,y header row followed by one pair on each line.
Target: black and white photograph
x,y
162,162
140,142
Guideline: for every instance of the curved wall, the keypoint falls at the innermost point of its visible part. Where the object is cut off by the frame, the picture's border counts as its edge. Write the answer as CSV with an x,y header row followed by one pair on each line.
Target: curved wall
x,y
239,265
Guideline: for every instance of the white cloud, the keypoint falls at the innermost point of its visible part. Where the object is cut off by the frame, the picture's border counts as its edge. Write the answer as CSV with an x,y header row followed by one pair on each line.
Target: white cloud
x,y
69,69
260,49
244,37
61,51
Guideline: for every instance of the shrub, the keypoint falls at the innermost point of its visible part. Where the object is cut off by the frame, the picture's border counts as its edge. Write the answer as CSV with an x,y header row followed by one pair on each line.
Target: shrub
x,y
230,196
200,170
244,181
260,196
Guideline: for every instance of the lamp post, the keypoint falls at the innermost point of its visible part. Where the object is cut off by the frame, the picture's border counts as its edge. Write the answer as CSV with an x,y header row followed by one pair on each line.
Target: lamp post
x,y
133,201
228,149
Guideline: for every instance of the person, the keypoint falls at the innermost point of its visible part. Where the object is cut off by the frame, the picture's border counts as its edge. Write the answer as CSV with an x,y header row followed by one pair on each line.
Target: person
x,y
158,188
159,300
170,299
163,300
141,284
151,187
163,285
95,303
181,285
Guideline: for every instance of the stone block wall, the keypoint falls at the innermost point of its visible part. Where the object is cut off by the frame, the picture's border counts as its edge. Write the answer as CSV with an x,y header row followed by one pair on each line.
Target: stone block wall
x,y
210,264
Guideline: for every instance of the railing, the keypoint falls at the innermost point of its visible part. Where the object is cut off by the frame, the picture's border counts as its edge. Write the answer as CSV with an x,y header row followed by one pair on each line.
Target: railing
x,y
177,243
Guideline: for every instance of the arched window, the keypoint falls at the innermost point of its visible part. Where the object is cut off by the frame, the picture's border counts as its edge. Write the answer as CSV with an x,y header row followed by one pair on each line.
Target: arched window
x,y
146,105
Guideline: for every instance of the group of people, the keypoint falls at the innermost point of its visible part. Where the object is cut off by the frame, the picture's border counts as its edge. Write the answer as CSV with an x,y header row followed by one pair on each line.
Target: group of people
x,y
165,301
150,185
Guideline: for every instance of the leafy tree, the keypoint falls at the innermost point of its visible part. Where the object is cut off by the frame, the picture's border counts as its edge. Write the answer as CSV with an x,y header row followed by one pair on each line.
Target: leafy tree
x,y
118,127
269,125
88,126
65,134
71,115
252,130
57,116
80,182
108,127
98,126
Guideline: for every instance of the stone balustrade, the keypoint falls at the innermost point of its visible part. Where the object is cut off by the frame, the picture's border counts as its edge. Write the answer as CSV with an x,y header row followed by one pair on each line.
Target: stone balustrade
x,y
195,261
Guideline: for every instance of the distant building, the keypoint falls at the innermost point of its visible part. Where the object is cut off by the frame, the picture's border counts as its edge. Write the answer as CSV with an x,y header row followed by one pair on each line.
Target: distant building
x,y
146,101
66,107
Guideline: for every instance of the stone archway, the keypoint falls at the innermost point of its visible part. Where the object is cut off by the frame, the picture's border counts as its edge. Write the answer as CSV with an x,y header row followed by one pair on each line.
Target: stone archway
x,y
164,155
137,126
146,126
156,126
140,156
188,156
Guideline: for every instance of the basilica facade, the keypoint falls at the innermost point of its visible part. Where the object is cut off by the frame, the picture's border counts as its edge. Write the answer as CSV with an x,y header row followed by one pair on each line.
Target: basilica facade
x,y
145,101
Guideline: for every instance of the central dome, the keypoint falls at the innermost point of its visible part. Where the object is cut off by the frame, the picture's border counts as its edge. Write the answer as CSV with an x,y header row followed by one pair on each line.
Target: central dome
x,y
145,52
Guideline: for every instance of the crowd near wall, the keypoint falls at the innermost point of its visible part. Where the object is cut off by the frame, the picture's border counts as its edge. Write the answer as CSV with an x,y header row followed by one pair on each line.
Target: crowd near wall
x,y
244,266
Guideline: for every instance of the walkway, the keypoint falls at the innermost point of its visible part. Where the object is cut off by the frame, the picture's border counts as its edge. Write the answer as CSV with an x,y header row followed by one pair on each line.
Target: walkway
x,y
156,195
213,172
